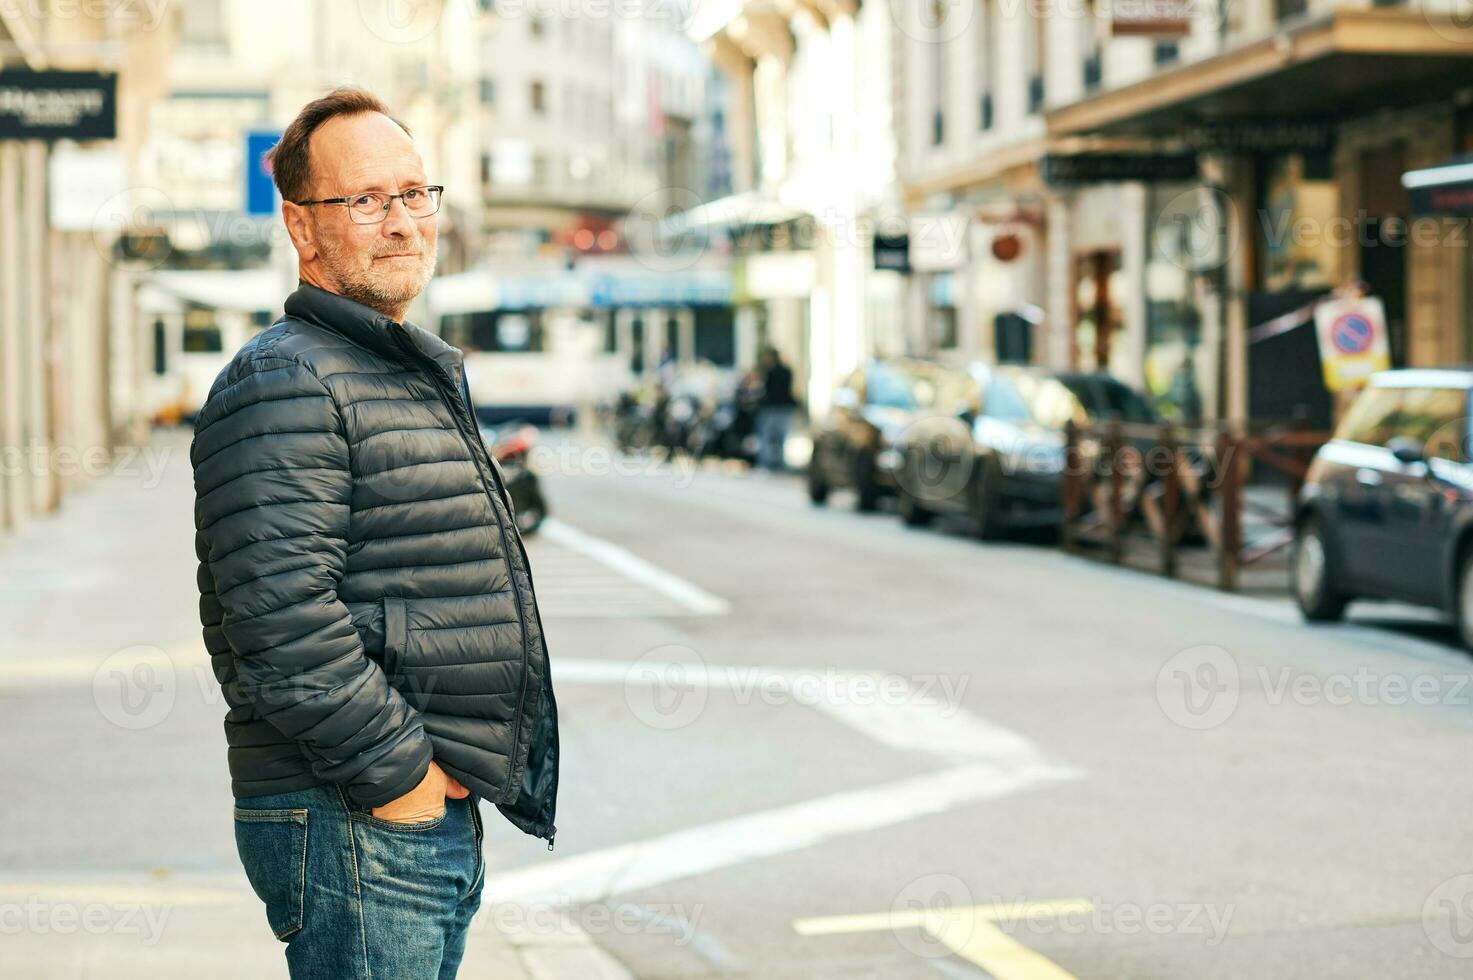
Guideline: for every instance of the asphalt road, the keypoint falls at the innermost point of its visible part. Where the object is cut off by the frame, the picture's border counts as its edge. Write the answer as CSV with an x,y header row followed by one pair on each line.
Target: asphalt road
x,y
809,743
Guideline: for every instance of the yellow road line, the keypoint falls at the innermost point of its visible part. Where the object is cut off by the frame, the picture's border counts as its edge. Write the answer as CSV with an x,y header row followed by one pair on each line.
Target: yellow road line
x,y
970,933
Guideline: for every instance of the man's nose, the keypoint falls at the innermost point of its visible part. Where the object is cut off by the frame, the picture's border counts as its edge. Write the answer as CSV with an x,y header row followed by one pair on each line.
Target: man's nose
x,y
398,222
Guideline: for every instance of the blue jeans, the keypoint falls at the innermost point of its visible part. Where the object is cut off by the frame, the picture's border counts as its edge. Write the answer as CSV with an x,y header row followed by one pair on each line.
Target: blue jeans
x,y
355,897
772,435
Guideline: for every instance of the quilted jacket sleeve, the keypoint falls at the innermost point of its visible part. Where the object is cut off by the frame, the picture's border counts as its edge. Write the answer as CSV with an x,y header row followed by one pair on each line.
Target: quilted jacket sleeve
x,y
272,495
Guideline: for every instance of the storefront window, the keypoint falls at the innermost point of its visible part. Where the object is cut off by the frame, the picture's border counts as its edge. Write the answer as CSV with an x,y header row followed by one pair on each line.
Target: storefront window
x,y
1297,228
201,333
1173,322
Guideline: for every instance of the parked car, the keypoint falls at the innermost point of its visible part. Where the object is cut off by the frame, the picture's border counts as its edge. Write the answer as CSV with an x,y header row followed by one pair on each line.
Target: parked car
x,y
854,446
1386,511
1000,461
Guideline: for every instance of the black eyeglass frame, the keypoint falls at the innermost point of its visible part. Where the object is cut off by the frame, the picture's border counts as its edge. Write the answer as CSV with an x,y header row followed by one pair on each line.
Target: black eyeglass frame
x,y
437,189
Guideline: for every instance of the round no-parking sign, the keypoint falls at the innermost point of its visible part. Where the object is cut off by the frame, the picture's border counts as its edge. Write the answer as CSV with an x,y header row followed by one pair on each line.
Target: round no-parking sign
x,y
1352,333
1352,340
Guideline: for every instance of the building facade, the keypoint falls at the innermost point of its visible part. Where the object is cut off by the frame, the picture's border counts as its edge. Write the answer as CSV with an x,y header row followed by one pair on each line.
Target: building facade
x,y
810,113
1175,186
75,91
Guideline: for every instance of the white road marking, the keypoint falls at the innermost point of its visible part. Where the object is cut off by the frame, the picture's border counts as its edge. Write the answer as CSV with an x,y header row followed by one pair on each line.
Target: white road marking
x,y
885,708
711,847
691,597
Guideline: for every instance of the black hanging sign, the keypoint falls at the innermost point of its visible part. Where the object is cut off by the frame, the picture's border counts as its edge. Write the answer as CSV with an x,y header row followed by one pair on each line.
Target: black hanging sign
x,y
53,105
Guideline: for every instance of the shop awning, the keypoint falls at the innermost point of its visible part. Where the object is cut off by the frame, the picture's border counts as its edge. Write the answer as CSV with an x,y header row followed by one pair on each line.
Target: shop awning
x,y
480,290
751,209
242,290
1446,189
1342,64
694,287
595,284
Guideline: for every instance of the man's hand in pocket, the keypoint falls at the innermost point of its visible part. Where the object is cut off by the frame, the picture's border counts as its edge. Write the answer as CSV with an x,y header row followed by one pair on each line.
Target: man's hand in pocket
x,y
426,801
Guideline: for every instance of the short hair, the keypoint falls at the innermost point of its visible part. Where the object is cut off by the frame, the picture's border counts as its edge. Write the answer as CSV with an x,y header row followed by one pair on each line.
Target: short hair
x,y
291,157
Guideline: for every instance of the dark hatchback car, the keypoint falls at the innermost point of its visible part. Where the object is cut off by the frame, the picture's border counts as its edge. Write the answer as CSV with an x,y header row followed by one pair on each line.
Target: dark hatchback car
x,y
854,446
1387,507
1000,461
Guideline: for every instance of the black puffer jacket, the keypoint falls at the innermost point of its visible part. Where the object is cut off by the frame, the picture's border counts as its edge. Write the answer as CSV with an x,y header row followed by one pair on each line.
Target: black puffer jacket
x,y
366,599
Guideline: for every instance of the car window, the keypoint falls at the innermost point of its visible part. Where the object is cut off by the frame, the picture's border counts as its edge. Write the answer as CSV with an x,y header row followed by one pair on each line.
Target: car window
x,y
1025,397
1370,419
1004,401
887,388
1435,418
942,389
1111,399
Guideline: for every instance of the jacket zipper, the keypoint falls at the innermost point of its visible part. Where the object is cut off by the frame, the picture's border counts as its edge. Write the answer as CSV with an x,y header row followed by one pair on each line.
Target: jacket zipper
x,y
527,563
441,389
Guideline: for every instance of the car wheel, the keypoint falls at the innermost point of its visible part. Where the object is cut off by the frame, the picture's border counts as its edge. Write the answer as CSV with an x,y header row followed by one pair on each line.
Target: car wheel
x,y
912,512
866,489
987,524
1465,598
818,487
529,520
1312,577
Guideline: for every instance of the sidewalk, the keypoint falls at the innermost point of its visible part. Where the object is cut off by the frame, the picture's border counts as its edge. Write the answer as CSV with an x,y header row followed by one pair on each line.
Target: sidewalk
x,y
117,862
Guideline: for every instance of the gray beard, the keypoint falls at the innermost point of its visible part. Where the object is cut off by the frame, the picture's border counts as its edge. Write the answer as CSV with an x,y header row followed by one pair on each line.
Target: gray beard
x,y
363,287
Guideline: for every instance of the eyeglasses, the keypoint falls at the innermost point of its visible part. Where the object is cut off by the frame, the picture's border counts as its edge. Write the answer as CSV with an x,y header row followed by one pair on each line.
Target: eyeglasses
x,y
373,207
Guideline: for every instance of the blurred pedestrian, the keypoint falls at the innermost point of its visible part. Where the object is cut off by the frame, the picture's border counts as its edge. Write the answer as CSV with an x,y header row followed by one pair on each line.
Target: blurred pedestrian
x,y
366,601
775,410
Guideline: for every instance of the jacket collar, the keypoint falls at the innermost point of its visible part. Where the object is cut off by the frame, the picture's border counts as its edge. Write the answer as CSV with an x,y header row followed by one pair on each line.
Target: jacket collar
x,y
366,327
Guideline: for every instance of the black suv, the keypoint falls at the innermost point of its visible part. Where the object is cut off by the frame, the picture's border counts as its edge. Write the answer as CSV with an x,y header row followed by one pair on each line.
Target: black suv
x,y
1387,507
1000,461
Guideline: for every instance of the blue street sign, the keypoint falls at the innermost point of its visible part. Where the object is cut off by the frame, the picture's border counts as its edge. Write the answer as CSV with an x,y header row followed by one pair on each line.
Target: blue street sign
x,y
260,192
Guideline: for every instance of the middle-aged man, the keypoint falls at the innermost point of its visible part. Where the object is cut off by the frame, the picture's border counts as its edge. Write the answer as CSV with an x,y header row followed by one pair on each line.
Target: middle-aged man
x,y
366,599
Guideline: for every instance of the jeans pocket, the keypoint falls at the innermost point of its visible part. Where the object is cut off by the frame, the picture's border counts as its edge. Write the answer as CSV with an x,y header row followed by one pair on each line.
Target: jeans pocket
x,y
273,849
402,826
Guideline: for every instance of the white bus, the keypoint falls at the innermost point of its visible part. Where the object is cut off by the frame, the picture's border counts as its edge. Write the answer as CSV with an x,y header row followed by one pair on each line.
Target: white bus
x,y
190,323
544,343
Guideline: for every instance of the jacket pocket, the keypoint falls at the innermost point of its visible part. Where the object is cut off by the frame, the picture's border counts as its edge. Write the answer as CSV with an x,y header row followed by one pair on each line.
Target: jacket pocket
x,y
273,849
396,633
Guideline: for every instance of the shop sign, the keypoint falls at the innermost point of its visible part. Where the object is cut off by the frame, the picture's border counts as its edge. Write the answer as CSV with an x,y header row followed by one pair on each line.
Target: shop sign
x,y
1260,135
53,105
938,242
1150,18
779,275
1352,340
82,184
892,252
1445,190
260,188
1102,168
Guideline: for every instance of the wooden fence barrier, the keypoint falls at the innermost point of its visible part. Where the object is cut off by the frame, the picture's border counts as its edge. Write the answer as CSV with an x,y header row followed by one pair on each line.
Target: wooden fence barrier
x,y
1147,492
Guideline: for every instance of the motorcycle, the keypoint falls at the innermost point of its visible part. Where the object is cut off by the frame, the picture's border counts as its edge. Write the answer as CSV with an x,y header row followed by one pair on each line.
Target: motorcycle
x,y
511,447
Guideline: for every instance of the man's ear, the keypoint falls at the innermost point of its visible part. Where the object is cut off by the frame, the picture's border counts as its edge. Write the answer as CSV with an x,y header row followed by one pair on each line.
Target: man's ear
x,y
294,216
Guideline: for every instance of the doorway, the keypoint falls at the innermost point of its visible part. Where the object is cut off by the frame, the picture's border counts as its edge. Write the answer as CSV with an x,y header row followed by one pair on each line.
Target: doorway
x,y
1095,308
